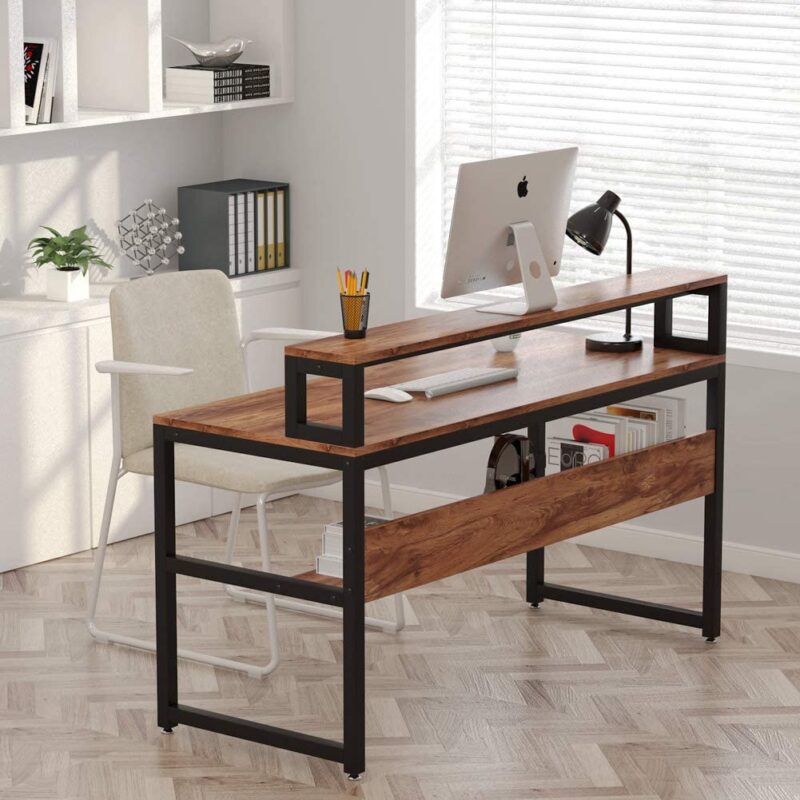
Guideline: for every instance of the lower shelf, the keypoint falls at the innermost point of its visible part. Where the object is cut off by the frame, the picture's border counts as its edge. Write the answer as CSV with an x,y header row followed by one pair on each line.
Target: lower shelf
x,y
421,548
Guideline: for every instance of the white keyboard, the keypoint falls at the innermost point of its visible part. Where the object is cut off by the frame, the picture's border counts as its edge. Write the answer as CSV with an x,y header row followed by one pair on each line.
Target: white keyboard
x,y
457,380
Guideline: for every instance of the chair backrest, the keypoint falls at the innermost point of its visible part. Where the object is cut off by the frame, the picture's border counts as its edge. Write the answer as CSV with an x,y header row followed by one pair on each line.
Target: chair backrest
x,y
182,319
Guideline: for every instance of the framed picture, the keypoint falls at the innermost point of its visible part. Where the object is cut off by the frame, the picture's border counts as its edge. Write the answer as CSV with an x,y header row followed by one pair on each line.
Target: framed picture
x,y
36,53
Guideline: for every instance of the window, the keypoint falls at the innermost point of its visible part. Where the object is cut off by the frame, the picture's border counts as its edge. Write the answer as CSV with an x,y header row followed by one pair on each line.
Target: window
x,y
690,111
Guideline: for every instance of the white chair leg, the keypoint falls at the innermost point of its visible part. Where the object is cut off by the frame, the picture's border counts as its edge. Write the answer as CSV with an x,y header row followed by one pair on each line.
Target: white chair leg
x,y
100,554
107,637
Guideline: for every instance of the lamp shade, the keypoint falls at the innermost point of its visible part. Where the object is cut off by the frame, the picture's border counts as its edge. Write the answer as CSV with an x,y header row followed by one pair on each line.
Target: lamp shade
x,y
591,226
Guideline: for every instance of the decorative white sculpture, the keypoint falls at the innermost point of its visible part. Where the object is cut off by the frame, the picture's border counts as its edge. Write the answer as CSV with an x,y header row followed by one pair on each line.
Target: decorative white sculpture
x,y
215,54
149,237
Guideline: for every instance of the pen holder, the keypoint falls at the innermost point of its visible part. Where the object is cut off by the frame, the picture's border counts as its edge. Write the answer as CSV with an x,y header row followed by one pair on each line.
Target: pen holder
x,y
355,313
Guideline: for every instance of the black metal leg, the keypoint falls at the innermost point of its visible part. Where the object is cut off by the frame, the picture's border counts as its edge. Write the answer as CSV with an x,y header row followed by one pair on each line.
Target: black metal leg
x,y
166,581
353,406
712,544
295,397
354,743
534,582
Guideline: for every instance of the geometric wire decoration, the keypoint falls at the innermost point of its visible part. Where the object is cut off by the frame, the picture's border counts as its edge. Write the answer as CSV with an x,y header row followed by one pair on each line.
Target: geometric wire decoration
x,y
149,237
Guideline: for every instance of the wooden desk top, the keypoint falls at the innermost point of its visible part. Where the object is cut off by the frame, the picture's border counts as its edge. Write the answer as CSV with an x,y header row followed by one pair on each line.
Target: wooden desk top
x,y
554,368
453,328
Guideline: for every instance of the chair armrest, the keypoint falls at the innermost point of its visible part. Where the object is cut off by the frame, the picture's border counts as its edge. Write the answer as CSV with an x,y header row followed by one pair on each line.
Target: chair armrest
x,y
286,335
132,368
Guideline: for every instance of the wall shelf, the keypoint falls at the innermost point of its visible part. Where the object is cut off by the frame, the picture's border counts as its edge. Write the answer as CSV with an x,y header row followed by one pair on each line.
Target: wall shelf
x,y
122,80
91,117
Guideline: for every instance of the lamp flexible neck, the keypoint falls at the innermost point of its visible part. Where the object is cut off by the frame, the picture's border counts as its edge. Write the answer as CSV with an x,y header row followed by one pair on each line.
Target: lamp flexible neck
x,y
629,268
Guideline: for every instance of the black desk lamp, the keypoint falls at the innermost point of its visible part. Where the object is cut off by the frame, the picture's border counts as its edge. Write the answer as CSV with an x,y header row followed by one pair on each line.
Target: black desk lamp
x,y
590,228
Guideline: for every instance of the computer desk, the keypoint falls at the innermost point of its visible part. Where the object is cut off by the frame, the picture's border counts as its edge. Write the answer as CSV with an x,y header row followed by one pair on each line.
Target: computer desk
x,y
328,423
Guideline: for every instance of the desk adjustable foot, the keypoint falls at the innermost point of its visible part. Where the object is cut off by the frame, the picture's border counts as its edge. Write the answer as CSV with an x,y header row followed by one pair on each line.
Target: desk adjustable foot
x,y
166,731
355,776
534,605
711,638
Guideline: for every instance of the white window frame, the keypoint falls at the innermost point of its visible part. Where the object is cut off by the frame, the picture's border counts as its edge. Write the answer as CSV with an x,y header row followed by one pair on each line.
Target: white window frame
x,y
421,20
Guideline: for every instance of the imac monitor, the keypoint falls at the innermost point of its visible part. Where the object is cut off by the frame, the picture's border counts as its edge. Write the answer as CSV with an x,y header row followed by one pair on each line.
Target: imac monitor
x,y
508,226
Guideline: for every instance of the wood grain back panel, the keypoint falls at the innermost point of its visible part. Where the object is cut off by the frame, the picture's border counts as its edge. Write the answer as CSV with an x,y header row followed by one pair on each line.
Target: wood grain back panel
x,y
455,328
425,547
554,368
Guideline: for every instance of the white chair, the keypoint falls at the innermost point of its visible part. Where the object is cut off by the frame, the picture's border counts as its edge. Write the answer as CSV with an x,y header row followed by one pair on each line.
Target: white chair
x,y
176,344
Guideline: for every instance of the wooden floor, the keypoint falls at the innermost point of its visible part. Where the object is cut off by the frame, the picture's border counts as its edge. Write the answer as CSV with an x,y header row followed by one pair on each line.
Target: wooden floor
x,y
480,698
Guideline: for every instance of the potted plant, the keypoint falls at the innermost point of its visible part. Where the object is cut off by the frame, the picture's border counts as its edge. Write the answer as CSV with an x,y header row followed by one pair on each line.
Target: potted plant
x,y
71,255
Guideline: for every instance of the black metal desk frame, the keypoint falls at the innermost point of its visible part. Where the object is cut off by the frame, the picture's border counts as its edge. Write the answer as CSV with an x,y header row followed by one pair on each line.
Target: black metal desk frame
x,y
350,596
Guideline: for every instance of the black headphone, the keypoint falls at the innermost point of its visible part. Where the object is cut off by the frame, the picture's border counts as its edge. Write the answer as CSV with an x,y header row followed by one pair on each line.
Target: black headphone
x,y
510,462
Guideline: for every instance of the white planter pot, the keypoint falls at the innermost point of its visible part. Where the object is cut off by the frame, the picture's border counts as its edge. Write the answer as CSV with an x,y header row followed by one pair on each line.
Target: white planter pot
x,y
67,285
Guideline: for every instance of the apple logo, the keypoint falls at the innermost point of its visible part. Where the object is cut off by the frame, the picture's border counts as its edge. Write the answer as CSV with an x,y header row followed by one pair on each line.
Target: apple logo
x,y
522,187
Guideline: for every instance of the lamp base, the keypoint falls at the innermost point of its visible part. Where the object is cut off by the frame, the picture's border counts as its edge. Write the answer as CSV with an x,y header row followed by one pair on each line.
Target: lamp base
x,y
612,343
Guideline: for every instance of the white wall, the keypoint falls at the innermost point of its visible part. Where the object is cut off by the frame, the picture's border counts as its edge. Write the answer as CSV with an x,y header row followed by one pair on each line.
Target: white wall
x,y
95,175
342,146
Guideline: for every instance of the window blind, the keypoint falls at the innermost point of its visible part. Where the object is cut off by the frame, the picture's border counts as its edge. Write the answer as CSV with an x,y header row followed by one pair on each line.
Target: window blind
x,y
690,111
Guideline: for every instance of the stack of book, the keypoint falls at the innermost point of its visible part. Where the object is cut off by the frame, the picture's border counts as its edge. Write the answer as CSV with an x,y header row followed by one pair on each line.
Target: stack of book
x,y
329,561
41,74
239,226
613,430
197,84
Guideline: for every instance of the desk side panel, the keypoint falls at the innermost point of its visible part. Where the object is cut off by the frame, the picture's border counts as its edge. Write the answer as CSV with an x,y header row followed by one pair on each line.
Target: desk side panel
x,y
425,547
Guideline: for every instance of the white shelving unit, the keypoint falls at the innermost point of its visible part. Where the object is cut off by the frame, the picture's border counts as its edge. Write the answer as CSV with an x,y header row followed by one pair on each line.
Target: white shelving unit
x,y
113,54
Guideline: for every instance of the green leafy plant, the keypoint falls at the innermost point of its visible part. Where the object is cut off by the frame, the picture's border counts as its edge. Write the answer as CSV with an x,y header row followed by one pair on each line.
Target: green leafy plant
x,y
66,252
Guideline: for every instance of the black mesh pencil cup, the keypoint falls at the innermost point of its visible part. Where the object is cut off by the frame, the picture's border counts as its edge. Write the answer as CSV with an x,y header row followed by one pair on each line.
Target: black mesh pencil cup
x,y
355,313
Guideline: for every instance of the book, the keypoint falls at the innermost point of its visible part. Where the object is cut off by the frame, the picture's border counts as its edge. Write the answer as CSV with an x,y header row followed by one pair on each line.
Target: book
x,y
564,454
280,228
606,430
261,251
251,231
224,224
329,561
669,411
270,230
327,565
49,83
241,233
232,260
194,83
643,414
36,53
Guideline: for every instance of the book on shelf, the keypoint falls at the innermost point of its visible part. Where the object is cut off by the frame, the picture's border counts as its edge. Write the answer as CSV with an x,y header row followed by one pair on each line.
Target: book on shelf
x,y
564,454
667,412
41,74
606,430
614,430
194,83
329,561
235,226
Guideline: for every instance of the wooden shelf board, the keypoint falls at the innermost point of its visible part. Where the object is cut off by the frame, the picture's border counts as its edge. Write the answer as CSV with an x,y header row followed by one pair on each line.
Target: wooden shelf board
x,y
554,368
315,577
451,329
95,117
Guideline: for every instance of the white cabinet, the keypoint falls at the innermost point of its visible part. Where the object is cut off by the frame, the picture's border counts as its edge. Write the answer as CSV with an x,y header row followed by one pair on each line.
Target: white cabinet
x,y
55,425
44,447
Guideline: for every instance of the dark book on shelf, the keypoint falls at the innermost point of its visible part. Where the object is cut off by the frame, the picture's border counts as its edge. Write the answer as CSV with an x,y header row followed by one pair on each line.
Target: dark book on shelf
x,y
238,226
194,83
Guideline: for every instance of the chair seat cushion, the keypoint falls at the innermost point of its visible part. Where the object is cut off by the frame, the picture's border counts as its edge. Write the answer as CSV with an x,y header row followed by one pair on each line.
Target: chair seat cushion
x,y
235,472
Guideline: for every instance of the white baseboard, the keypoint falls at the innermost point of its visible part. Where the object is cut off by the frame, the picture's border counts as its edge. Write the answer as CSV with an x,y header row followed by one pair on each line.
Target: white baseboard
x,y
626,538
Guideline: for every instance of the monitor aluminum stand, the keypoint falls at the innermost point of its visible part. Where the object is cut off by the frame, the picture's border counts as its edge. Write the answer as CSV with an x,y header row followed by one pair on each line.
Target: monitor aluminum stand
x,y
540,294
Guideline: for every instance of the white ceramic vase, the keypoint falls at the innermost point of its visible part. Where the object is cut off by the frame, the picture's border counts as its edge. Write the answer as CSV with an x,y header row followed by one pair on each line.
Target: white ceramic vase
x,y
67,286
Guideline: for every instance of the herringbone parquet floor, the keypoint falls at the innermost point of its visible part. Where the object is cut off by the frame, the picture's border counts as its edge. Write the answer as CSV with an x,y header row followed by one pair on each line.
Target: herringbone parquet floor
x,y
480,698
